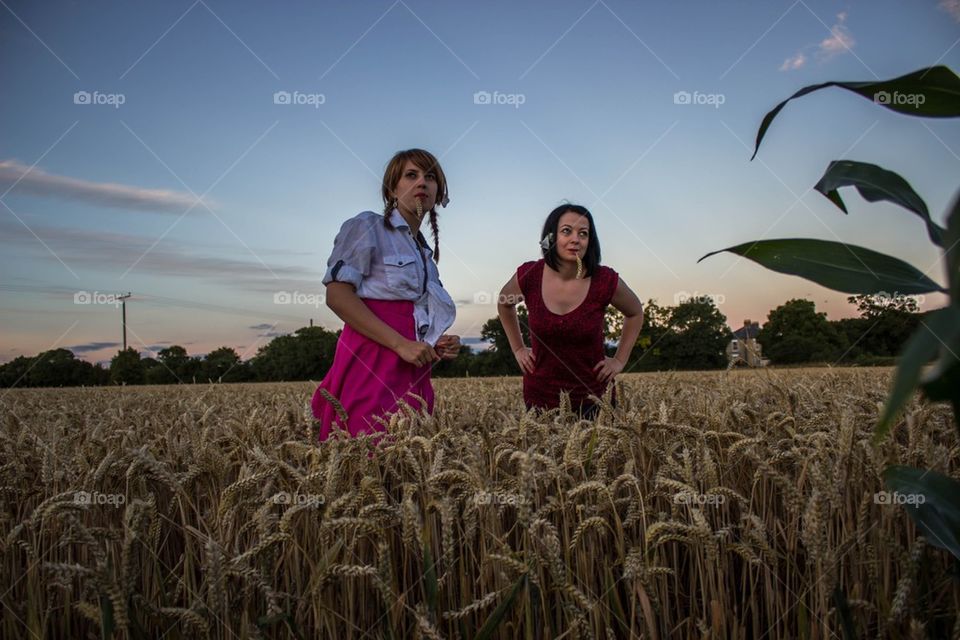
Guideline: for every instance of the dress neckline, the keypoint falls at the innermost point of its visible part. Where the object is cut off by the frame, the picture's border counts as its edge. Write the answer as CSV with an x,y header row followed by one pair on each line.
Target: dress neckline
x,y
543,301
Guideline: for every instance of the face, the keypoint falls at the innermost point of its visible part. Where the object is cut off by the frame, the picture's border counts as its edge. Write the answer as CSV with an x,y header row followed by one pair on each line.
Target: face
x,y
573,235
414,184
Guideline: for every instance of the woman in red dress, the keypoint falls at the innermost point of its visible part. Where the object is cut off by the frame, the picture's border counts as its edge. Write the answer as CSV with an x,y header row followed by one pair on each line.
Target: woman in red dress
x,y
567,293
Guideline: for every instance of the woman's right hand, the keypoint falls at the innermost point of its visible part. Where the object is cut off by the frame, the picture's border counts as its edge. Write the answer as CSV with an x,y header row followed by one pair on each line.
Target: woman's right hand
x,y
524,356
417,353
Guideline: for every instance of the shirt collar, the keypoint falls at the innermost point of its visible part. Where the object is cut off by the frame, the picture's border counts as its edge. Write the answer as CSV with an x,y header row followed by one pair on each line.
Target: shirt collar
x,y
399,222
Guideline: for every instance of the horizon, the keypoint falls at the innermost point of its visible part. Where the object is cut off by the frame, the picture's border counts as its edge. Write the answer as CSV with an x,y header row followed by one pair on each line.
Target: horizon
x,y
202,155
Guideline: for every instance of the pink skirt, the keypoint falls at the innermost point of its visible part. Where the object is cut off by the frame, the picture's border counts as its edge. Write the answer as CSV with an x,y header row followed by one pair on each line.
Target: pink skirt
x,y
369,379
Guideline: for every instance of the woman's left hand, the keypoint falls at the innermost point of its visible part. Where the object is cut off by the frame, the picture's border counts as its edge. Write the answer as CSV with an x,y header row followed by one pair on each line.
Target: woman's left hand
x,y
448,347
608,368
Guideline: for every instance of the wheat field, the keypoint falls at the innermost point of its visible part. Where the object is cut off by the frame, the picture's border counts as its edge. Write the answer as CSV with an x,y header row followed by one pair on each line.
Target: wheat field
x,y
734,504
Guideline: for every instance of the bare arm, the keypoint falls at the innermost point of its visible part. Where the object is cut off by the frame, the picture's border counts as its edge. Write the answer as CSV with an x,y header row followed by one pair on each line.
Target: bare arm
x,y
507,301
627,302
343,300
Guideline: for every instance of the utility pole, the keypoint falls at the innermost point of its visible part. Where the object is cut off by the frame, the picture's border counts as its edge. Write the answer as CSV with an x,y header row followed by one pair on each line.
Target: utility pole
x,y
123,302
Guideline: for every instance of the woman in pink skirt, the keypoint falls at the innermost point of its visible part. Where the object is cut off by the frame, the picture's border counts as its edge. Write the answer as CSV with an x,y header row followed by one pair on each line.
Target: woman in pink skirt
x,y
382,281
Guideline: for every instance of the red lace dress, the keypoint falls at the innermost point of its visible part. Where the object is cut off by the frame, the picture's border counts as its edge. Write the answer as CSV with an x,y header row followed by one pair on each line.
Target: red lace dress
x,y
566,347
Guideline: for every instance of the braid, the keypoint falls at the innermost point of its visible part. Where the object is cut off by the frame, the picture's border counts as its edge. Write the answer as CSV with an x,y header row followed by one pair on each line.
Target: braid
x,y
387,208
436,235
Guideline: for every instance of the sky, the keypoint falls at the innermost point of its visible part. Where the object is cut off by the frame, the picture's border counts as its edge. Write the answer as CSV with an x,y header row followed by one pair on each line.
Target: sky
x,y
202,154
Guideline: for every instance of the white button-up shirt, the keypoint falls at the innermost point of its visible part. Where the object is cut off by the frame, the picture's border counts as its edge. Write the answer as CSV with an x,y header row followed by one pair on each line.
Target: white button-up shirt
x,y
390,264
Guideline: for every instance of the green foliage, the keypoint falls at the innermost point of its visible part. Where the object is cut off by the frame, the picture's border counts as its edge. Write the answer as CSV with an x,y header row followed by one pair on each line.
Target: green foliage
x,y
126,368
224,365
696,336
306,354
836,265
938,86
795,333
884,326
933,92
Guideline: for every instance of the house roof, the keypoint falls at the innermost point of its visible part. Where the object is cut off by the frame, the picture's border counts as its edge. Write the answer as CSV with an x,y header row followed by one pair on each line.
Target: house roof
x,y
747,331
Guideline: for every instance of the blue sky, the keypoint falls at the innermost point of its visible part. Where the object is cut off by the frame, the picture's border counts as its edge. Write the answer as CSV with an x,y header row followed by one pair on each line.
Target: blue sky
x,y
182,181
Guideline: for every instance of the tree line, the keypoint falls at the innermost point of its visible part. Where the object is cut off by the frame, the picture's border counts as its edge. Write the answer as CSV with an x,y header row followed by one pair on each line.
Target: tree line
x,y
692,335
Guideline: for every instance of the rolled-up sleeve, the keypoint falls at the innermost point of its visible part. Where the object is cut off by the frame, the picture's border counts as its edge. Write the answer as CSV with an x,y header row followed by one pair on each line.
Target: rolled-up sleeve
x,y
353,251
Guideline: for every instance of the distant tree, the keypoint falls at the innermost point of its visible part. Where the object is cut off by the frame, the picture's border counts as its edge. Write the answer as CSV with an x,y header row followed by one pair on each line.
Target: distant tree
x,y
224,365
14,373
696,337
126,368
456,368
884,325
647,354
175,364
307,354
498,360
795,333
58,368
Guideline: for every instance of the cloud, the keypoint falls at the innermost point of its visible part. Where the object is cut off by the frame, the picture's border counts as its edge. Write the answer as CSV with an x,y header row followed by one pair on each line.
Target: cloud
x,y
93,346
840,41
952,7
270,334
38,182
116,252
794,62
261,327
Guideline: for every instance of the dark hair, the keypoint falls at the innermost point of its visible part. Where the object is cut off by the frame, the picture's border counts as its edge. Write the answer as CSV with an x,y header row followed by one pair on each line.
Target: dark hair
x,y
391,177
591,260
